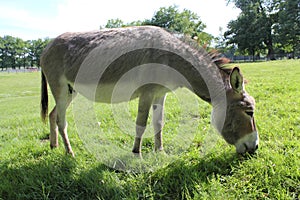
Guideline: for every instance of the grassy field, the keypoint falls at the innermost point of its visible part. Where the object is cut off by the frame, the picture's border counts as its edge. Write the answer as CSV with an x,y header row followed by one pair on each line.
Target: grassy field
x,y
30,170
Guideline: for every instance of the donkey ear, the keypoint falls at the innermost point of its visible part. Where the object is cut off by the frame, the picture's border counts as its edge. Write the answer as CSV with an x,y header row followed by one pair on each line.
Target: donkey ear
x,y
236,80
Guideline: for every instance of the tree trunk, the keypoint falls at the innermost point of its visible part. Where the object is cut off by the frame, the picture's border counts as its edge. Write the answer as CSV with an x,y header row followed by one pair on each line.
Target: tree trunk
x,y
270,55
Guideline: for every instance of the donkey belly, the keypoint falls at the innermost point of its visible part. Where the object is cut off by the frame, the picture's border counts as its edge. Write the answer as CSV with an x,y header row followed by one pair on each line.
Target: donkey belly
x,y
122,85
107,93
117,93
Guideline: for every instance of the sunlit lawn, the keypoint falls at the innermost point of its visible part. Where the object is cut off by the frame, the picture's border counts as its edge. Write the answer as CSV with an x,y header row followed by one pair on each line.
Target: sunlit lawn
x,y
208,169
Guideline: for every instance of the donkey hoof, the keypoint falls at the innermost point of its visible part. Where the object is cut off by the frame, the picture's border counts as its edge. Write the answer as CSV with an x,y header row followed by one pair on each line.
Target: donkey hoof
x,y
53,146
71,153
161,152
160,149
137,154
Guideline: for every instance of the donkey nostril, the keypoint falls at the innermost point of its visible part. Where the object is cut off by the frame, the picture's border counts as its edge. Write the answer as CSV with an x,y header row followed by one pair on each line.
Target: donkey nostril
x,y
250,150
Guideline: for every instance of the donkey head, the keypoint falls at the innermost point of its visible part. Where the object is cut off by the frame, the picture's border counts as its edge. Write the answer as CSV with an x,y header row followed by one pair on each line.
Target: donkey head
x,y
239,127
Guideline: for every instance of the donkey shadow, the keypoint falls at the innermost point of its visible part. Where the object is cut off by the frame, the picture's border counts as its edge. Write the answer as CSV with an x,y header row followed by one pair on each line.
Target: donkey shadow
x,y
62,177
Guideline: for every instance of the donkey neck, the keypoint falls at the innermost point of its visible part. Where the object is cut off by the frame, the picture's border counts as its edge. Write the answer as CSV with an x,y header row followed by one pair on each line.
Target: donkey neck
x,y
205,78
208,84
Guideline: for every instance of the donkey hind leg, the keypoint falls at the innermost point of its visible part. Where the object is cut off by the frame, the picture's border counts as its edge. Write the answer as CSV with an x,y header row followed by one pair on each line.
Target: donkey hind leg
x,y
145,102
53,129
157,120
62,103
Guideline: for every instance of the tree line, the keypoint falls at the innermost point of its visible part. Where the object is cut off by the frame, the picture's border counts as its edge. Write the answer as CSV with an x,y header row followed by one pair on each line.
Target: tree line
x,y
264,27
16,53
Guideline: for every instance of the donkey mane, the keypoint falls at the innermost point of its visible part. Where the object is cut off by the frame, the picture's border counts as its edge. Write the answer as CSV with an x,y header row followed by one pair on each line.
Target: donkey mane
x,y
216,57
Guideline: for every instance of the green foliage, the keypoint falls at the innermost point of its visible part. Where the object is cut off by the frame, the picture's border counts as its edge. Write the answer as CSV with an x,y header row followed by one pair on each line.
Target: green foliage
x,y
185,22
36,48
171,18
287,30
244,35
118,23
252,30
263,23
17,53
114,23
30,170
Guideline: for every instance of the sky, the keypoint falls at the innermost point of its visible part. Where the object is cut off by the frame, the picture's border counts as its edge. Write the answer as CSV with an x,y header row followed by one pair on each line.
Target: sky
x,y
33,19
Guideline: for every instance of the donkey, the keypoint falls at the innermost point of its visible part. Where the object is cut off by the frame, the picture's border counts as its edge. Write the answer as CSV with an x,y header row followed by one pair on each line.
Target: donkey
x,y
92,64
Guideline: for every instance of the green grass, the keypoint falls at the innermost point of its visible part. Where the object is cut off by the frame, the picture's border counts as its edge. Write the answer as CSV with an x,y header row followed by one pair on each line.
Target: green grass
x,y
208,169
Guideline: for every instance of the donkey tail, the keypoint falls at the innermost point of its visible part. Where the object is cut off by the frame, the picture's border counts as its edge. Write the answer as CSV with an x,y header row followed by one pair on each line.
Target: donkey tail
x,y
44,98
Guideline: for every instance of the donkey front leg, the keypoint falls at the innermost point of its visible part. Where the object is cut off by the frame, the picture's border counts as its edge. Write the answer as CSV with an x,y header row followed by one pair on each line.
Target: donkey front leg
x,y
158,115
145,102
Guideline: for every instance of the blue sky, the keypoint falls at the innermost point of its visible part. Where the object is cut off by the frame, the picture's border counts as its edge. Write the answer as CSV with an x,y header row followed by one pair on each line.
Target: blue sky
x,y
32,19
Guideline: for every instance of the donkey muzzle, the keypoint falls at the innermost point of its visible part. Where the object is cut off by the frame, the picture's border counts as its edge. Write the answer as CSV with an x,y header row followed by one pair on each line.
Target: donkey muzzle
x,y
248,143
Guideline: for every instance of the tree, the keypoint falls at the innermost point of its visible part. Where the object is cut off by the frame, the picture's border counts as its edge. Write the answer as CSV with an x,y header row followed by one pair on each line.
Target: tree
x,y
13,52
21,48
252,30
118,23
2,53
222,47
17,53
185,22
287,30
9,52
114,23
244,34
36,48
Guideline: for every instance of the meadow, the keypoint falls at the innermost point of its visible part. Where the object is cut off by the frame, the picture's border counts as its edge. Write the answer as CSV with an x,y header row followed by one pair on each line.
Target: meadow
x,y
29,169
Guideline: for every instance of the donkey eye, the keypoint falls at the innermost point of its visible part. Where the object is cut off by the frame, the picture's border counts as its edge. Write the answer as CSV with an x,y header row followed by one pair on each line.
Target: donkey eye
x,y
250,113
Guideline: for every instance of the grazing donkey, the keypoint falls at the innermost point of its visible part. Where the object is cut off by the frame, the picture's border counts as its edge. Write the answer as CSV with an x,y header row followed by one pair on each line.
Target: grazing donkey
x,y
92,63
